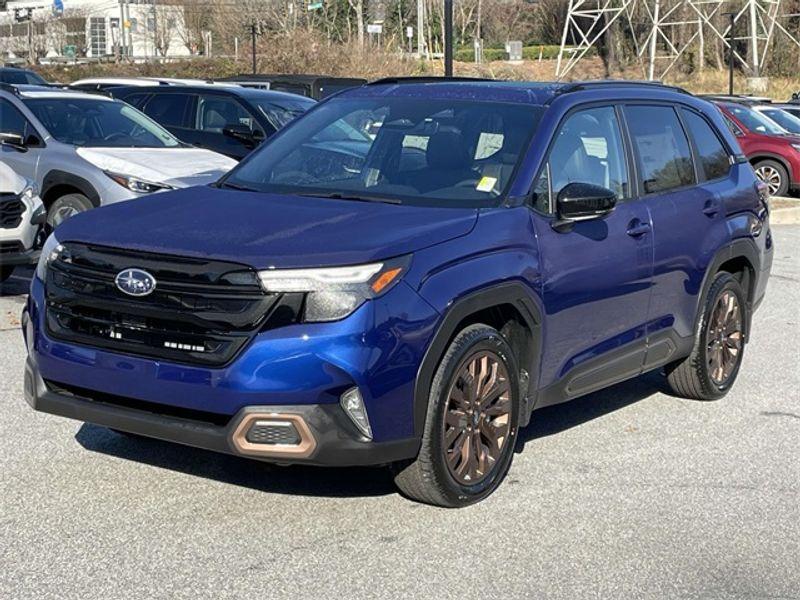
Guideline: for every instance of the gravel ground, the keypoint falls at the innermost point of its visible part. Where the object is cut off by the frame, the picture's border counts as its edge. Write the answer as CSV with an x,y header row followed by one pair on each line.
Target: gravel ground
x,y
627,493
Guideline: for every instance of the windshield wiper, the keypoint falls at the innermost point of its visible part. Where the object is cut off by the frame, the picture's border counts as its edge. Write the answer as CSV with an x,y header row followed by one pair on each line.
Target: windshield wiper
x,y
236,186
341,196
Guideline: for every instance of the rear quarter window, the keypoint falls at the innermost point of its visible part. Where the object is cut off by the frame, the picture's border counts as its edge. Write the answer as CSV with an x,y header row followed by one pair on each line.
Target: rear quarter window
x,y
711,153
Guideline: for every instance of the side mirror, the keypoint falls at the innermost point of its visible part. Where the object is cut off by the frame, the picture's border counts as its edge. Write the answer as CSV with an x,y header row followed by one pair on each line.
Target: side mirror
x,y
13,140
241,133
582,202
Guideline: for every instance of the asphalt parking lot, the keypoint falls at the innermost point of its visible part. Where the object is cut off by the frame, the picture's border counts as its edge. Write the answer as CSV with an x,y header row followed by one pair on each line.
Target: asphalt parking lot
x,y
627,493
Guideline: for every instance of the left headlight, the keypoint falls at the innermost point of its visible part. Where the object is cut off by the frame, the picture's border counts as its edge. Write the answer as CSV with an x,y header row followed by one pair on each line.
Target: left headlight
x,y
50,252
30,192
335,292
140,186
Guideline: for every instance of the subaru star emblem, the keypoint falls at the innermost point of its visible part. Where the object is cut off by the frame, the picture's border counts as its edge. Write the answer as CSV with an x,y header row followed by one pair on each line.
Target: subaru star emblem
x,y
135,282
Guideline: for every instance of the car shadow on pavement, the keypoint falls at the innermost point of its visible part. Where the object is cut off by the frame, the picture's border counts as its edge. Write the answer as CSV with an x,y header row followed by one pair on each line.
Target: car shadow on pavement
x,y
19,282
560,417
337,482
342,482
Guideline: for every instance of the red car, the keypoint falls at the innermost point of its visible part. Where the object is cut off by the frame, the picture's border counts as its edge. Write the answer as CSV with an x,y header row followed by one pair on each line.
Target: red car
x,y
774,154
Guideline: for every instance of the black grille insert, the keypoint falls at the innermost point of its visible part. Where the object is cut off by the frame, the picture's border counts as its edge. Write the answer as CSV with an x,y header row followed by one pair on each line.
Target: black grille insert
x,y
201,312
11,209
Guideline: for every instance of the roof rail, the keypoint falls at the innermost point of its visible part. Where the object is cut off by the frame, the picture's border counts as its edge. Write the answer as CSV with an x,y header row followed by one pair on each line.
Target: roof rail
x,y
427,79
10,88
582,85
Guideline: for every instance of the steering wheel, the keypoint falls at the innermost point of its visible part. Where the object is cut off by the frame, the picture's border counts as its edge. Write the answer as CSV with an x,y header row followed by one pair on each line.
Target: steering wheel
x,y
116,135
294,177
470,183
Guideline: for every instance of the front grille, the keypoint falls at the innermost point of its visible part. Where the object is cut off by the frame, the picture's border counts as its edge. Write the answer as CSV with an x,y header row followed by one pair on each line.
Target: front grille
x,y
11,209
11,248
201,312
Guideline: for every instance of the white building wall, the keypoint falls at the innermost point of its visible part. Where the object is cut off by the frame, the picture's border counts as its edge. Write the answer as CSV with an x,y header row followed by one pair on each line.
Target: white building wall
x,y
134,28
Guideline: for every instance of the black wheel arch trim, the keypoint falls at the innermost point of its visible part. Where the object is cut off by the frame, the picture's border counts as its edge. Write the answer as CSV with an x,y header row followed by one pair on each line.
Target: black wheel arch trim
x,y
741,248
513,293
56,178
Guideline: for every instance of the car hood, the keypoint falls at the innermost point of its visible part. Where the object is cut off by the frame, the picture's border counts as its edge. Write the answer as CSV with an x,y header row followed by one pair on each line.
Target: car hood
x,y
178,167
266,230
10,182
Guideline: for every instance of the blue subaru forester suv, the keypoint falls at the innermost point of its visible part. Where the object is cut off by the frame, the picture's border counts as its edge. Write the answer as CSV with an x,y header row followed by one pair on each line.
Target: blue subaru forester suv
x,y
404,274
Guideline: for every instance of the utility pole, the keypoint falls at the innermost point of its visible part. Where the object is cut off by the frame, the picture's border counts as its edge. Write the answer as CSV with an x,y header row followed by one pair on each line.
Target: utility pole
x,y
731,40
155,30
253,36
448,38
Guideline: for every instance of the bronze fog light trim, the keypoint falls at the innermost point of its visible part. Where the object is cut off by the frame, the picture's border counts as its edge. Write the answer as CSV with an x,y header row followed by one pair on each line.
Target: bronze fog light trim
x,y
303,449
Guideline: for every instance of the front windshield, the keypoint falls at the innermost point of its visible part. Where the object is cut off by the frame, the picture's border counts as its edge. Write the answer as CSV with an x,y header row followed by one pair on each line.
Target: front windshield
x,y
280,113
409,150
755,122
786,120
97,123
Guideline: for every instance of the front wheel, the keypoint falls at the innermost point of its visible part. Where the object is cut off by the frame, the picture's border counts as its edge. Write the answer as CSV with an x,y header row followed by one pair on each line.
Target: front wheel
x,y
65,207
710,371
774,174
471,424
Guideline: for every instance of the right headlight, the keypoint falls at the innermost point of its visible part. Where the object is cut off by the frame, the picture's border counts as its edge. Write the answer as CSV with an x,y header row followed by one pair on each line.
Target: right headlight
x,y
50,252
335,292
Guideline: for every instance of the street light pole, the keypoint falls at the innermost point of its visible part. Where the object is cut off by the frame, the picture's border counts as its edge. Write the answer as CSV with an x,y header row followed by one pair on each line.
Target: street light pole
x,y
448,38
254,34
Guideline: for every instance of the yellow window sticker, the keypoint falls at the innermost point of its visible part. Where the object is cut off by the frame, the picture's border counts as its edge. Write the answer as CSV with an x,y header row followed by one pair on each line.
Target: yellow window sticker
x,y
486,184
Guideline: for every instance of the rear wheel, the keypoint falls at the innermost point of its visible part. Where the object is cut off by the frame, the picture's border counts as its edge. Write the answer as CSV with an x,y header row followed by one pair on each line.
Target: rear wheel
x,y
774,174
66,207
471,425
5,272
711,370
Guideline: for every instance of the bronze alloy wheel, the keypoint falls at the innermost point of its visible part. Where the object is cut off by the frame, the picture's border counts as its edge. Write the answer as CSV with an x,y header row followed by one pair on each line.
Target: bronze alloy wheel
x,y
724,338
477,418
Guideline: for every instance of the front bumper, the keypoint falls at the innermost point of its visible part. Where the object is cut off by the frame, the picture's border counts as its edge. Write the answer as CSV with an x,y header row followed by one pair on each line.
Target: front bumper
x,y
25,236
326,440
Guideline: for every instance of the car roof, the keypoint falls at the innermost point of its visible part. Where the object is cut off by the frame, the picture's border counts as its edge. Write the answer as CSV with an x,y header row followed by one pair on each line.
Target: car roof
x,y
221,89
286,77
40,91
525,92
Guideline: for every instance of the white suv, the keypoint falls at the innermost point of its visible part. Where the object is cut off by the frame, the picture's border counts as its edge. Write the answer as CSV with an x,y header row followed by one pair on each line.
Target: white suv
x,y
86,150
21,218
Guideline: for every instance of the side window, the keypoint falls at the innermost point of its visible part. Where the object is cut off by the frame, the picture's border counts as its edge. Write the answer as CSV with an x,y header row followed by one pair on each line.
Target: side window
x,y
13,121
735,129
713,157
214,113
661,147
136,100
587,149
168,110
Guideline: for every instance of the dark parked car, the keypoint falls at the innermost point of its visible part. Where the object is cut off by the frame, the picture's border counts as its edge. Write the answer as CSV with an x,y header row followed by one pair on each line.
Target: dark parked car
x,y
312,86
231,120
501,247
16,76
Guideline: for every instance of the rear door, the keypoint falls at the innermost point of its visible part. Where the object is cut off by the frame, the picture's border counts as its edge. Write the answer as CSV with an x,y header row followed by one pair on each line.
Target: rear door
x,y
173,111
214,113
683,182
597,274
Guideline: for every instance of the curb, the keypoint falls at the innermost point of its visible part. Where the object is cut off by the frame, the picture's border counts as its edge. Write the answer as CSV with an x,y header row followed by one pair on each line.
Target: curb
x,y
785,216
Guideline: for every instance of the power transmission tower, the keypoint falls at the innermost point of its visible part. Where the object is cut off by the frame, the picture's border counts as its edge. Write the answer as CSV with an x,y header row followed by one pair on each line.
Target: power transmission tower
x,y
659,48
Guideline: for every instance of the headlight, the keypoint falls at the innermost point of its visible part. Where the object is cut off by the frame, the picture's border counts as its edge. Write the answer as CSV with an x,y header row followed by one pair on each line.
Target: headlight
x,y
140,186
50,252
335,292
30,192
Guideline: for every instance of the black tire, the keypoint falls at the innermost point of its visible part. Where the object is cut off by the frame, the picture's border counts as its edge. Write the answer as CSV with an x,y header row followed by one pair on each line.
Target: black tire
x,y
774,174
5,272
692,377
65,207
428,478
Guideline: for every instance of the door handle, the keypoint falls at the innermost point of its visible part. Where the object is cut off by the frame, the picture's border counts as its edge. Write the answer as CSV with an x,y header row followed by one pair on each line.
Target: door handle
x,y
637,228
711,208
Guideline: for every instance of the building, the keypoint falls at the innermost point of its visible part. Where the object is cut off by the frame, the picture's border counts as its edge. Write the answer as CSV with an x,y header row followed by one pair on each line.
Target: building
x,y
92,29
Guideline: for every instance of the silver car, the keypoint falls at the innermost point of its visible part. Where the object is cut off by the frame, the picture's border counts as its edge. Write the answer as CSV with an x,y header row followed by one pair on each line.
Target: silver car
x,y
86,150
21,218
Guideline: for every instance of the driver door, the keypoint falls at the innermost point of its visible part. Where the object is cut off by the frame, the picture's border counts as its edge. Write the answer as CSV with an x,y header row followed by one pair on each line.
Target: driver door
x,y
597,274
